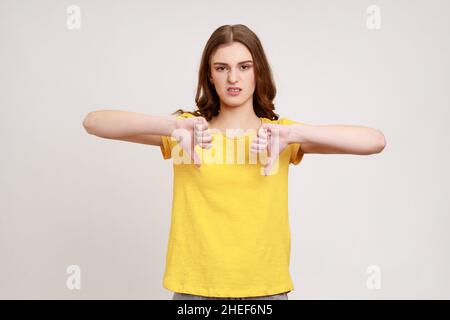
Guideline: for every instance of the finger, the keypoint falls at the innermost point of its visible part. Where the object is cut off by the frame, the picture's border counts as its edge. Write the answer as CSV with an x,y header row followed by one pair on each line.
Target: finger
x,y
188,152
262,133
199,138
267,128
254,140
259,146
206,145
269,165
191,154
203,140
200,126
261,140
198,123
202,120
267,169
202,130
202,123
196,159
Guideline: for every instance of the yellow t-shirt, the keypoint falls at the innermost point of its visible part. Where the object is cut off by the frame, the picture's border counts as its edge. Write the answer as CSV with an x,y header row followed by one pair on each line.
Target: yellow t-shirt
x,y
229,234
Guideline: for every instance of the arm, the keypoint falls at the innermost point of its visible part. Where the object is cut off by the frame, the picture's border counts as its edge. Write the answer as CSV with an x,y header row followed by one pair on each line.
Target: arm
x,y
337,139
129,126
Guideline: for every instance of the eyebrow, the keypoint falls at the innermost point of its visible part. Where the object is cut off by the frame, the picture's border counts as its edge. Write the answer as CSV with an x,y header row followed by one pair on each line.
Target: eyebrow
x,y
238,63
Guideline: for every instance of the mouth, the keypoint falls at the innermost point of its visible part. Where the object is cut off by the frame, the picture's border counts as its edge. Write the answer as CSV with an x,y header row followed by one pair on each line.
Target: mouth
x,y
234,91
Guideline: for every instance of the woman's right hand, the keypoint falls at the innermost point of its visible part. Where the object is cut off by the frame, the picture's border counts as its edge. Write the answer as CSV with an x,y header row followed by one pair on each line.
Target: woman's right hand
x,y
190,132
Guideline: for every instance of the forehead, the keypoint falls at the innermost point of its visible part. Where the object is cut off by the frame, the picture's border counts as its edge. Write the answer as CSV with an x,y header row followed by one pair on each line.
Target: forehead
x,y
231,53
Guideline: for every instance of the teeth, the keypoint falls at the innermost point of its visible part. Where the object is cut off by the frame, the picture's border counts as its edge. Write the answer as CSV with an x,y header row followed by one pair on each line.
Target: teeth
x,y
234,90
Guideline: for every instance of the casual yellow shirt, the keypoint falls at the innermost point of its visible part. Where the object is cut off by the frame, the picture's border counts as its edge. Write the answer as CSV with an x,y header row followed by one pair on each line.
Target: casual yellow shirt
x,y
229,234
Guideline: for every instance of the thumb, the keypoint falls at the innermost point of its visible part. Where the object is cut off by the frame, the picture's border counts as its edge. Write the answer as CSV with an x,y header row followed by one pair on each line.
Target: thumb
x,y
266,126
196,159
270,163
201,120
200,124
193,154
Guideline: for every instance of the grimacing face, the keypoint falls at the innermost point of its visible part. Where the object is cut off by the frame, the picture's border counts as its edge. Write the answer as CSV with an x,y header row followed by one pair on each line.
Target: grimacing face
x,y
232,66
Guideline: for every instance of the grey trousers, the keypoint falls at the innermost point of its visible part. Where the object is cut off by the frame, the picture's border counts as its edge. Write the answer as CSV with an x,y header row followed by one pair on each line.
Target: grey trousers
x,y
186,296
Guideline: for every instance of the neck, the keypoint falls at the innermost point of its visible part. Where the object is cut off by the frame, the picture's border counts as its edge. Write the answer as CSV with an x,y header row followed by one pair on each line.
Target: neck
x,y
240,117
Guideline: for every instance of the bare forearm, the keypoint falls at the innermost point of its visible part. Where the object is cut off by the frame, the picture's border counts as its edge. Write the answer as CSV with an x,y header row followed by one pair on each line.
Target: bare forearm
x,y
116,123
338,138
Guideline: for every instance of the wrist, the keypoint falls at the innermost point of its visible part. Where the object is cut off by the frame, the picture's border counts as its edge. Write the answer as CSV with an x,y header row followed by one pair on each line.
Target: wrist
x,y
295,134
172,124
175,123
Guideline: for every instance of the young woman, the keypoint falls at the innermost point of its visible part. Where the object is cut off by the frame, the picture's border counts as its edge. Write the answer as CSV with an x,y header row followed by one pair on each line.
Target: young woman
x,y
230,234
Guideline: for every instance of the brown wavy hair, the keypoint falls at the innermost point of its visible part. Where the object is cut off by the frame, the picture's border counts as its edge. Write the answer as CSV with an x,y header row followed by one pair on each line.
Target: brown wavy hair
x,y
207,99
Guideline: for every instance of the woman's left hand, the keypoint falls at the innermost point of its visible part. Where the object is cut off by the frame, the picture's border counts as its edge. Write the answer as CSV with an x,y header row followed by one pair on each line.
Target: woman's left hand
x,y
274,139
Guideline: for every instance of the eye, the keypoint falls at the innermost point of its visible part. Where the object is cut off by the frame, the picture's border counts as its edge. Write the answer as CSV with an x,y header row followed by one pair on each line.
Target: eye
x,y
246,67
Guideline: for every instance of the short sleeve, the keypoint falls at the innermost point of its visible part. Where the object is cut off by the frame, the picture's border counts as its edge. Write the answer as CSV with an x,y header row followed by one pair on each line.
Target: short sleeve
x,y
296,151
167,142
166,147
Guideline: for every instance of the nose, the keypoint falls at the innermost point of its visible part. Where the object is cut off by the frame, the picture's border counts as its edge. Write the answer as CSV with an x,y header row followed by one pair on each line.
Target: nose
x,y
232,76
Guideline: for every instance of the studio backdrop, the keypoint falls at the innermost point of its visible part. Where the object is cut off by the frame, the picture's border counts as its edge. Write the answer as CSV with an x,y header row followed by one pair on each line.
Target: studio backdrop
x,y
83,217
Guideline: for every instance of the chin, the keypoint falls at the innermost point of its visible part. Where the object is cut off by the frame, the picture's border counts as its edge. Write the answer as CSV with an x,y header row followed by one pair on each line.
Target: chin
x,y
234,100
234,103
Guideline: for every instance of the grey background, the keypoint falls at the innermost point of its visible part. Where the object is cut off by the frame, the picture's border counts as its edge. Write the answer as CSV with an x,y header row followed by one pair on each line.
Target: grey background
x,y
69,198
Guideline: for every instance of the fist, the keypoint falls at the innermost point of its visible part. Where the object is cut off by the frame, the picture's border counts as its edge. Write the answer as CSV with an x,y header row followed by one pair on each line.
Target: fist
x,y
191,132
273,139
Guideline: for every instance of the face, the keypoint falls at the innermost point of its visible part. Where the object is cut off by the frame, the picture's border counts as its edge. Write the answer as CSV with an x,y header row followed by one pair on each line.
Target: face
x,y
232,66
